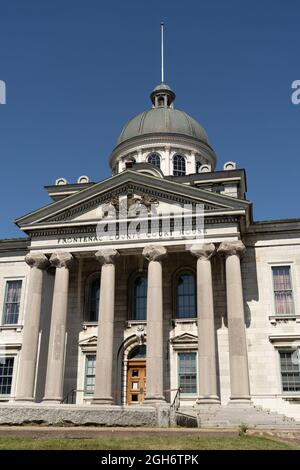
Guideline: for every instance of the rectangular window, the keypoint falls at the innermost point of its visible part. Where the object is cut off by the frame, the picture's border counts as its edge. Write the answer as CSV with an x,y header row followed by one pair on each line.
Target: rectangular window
x,y
12,302
6,375
290,371
283,292
90,374
187,372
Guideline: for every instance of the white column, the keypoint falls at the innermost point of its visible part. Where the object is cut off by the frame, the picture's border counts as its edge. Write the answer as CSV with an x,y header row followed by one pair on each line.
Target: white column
x,y
239,372
154,361
57,342
103,394
28,359
207,375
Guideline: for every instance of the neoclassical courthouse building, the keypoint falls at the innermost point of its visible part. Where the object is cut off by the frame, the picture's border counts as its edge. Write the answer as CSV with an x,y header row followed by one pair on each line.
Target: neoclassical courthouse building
x,y
118,320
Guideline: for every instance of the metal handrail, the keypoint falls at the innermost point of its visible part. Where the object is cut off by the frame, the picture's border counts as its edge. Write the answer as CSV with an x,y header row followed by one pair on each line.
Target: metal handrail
x,y
176,401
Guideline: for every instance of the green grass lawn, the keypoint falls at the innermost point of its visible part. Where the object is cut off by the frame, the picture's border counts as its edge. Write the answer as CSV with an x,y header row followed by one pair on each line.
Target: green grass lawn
x,y
147,443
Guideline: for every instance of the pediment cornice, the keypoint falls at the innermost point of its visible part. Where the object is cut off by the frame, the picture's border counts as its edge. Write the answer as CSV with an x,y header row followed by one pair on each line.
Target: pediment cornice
x,y
124,183
184,339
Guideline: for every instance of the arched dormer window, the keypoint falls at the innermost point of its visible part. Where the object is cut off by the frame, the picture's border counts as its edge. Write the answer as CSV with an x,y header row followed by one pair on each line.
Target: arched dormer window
x,y
92,298
198,166
179,167
154,159
138,307
185,295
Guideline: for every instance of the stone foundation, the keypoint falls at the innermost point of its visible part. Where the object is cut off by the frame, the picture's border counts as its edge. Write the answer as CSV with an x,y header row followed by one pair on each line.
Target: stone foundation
x,y
64,415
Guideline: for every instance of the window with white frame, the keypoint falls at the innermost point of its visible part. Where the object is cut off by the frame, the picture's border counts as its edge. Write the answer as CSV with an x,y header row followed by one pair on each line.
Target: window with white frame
x,y
154,159
90,374
179,167
12,299
290,371
187,372
283,292
6,375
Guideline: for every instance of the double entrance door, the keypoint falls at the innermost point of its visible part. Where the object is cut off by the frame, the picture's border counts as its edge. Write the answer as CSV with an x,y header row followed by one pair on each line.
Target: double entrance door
x,y
136,382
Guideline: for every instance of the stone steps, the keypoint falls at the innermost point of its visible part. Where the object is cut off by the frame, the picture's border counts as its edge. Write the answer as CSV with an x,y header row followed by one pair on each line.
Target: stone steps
x,y
231,415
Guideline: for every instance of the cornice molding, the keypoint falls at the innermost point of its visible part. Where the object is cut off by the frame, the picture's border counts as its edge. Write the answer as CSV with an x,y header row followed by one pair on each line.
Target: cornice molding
x,y
90,230
163,140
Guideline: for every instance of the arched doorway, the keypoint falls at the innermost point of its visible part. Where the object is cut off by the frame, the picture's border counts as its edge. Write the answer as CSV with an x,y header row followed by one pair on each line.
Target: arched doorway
x,y
136,375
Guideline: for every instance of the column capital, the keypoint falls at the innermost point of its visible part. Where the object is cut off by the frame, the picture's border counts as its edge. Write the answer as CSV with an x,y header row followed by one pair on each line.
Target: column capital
x,y
154,252
106,255
203,251
61,259
37,260
236,247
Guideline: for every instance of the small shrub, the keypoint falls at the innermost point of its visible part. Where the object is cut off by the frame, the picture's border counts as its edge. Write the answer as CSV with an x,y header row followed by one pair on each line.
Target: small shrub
x,y
243,428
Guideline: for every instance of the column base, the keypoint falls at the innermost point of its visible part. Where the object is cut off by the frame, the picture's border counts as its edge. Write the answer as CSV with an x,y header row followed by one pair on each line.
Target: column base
x,y
209,400
24,400
240,401
155,400
52,401
102,401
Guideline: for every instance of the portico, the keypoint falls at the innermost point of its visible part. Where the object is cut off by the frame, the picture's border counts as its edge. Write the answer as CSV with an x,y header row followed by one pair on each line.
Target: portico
x,y
158,326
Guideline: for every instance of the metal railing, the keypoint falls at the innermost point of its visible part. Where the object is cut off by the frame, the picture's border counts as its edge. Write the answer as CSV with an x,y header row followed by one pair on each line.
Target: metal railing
x,y
176,401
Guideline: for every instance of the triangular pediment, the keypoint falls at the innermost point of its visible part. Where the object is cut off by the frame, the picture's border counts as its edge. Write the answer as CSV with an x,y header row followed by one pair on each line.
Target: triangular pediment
x,y
91,340
184,339
83,206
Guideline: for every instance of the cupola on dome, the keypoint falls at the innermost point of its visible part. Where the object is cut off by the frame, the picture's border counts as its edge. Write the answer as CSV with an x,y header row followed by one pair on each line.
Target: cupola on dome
x,y
162,118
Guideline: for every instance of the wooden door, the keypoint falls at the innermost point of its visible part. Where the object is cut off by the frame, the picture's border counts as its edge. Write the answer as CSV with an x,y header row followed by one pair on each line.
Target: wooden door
x,y
136,382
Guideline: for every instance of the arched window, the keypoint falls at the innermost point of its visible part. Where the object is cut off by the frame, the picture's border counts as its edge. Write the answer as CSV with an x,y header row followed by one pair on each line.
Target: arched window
x,y
92,298
139,297
139,352
186,295
198,165
179,165
154,159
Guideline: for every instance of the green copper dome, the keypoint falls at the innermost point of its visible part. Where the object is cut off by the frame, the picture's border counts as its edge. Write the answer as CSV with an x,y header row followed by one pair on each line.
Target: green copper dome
x,y
162,118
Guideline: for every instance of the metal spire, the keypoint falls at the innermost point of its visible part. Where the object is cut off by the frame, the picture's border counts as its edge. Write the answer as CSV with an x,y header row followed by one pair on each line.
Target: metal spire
x,y
162,51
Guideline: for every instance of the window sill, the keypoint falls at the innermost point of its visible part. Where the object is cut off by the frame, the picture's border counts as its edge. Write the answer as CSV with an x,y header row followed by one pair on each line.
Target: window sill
x,y
283,318
87,324
18,328
176,321
130,323
292,397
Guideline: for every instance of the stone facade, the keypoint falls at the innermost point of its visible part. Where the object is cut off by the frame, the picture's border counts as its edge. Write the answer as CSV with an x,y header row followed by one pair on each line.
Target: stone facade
x,y
234,331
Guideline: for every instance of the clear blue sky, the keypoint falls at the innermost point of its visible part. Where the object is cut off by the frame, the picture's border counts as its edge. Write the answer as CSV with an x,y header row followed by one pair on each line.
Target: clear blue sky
x,y
77,70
